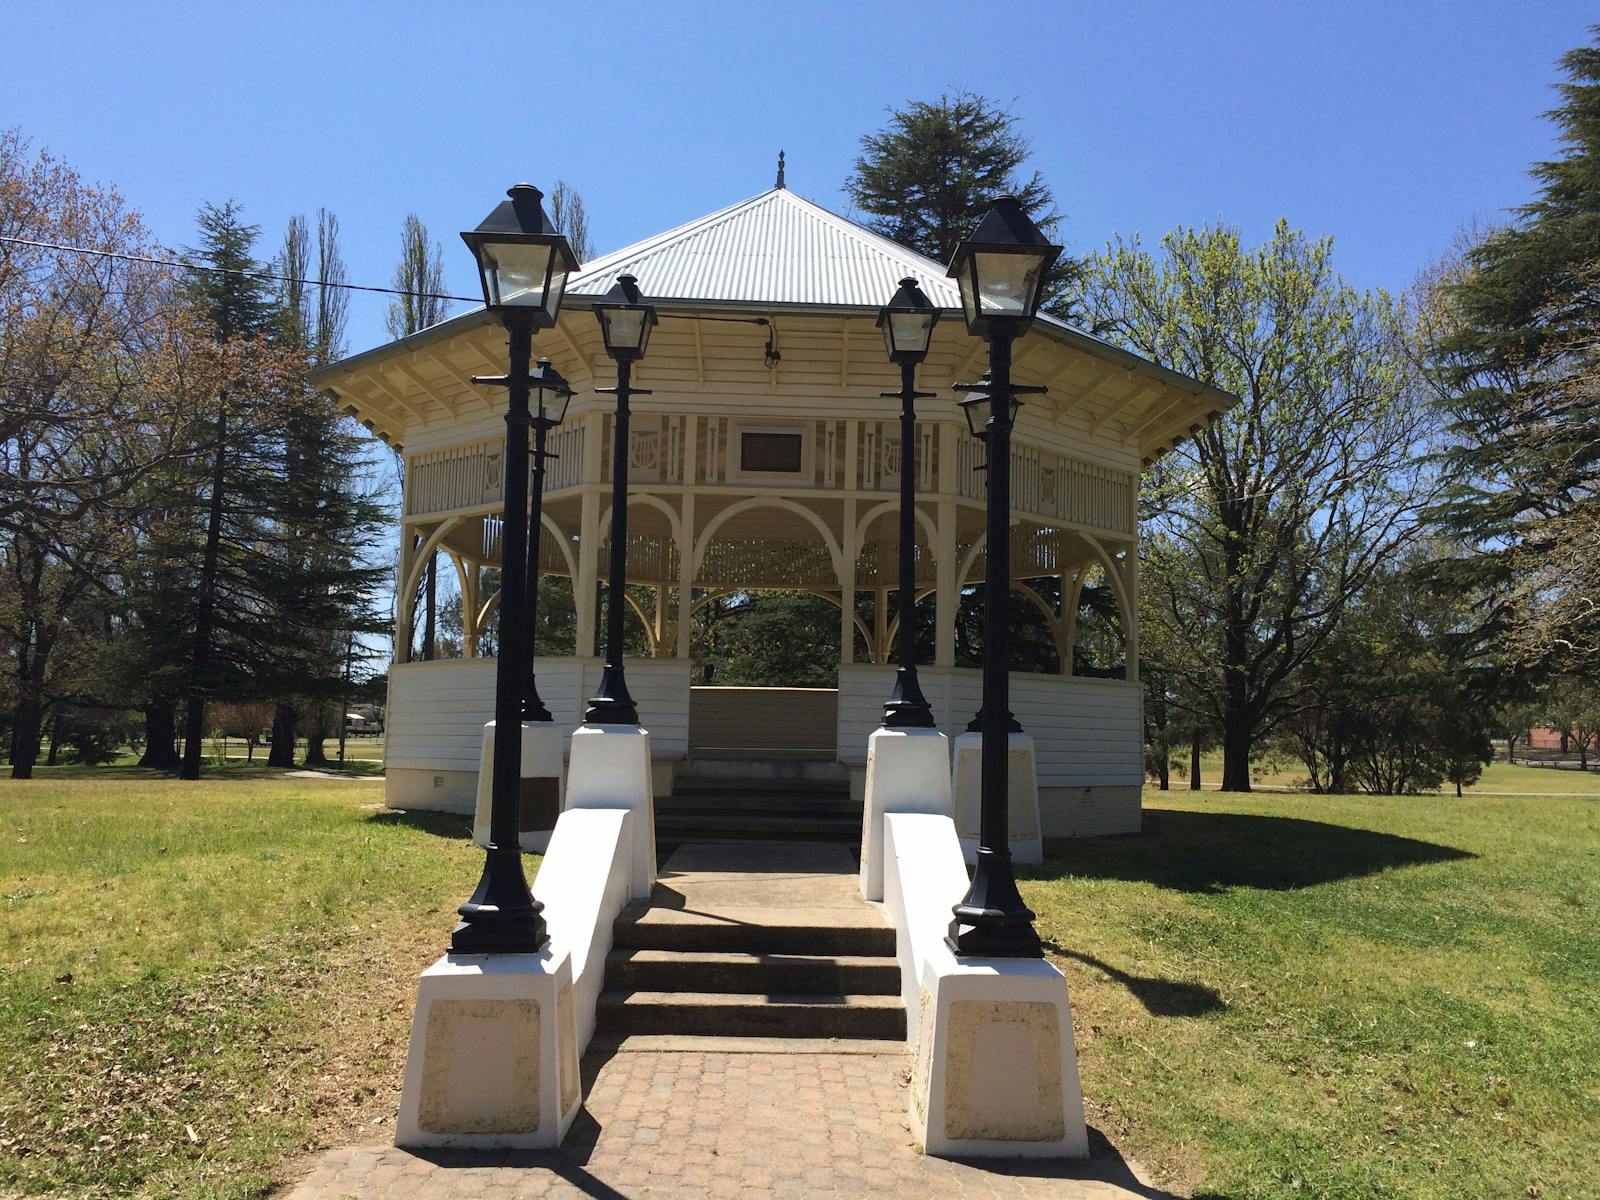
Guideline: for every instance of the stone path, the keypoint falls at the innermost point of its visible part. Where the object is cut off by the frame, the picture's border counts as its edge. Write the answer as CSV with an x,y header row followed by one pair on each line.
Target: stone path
x,y
694,1122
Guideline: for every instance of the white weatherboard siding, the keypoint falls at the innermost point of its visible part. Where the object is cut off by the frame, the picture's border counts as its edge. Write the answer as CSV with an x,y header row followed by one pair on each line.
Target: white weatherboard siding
x,y
1086,732
437,709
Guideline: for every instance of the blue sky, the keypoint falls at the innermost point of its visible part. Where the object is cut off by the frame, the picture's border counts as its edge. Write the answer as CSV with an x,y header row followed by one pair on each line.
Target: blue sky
x,y
1386,125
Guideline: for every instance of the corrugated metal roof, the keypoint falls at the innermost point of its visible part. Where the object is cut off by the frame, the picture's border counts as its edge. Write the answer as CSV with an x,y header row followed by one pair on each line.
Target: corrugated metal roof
x,y
775,248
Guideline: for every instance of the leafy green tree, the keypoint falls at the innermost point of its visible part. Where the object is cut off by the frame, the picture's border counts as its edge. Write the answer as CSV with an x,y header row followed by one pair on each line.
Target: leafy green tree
x,y
767,639
1394,700
1263,526
1515,355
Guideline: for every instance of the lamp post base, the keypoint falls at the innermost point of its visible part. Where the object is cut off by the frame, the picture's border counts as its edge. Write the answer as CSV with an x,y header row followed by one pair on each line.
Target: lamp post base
x,y
611,704
502,917
993,921
907,707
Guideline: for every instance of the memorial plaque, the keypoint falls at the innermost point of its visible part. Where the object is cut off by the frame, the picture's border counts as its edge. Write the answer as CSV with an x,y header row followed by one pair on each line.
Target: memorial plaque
x,y
778,452
539,804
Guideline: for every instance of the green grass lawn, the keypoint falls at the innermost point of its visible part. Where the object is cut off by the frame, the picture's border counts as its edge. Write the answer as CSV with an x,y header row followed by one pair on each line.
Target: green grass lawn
x,y
1340,996
1499,778
199,980
1274,995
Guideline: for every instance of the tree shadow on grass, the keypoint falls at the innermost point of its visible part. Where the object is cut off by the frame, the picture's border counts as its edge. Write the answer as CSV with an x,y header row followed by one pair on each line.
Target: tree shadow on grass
x,y
1211,852
447,825
1160,997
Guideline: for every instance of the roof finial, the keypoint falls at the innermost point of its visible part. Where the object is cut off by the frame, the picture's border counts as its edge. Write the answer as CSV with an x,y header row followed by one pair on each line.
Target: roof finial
x,y
780,170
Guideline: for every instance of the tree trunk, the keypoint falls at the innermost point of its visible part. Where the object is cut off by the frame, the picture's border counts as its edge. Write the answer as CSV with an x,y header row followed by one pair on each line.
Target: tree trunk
x,y
55,742
1194,761
284,722
1511,748
26,721
430,607
316,732
160,735
1236,744
195,718
1163,771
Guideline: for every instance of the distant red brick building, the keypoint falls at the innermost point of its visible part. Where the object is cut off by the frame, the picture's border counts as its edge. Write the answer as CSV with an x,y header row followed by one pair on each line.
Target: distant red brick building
x,y
1556,739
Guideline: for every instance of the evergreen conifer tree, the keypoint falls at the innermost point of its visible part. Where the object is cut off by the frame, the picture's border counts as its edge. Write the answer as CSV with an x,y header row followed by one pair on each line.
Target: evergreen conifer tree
x,y
1518,365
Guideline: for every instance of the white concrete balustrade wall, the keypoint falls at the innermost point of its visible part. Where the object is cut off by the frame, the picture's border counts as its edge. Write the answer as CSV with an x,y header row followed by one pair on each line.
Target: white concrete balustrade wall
x,y
434,726
1088,736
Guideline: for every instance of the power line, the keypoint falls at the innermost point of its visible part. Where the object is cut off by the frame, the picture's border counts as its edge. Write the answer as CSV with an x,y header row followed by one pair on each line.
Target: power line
x,y
191,266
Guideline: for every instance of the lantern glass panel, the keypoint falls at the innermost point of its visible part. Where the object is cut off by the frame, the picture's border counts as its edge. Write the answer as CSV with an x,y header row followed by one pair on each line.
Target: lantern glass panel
x,y
908,332
1007,284
515,274
553,404
626,329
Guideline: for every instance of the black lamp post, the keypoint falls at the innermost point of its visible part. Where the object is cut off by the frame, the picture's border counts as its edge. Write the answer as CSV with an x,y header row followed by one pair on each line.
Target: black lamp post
x,y
1000,269
546,381
907,322
625,324
523,265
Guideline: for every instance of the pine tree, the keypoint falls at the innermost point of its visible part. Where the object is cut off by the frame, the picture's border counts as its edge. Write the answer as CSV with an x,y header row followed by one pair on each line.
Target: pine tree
x,y
926,179
1517,361
325,517
233,301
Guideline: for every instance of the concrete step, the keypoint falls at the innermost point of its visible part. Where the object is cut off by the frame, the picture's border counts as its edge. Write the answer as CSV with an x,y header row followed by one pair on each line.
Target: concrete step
x,y
825,931
742,972
719,800
735,778
694,826
671,1043
740,1015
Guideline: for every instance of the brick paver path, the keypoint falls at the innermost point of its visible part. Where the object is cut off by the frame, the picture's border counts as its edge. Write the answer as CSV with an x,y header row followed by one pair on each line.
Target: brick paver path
x,y
702,1123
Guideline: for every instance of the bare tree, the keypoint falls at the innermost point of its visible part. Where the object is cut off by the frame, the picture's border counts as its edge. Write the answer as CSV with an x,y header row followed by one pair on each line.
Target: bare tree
x,y
97,388
568,216
419,278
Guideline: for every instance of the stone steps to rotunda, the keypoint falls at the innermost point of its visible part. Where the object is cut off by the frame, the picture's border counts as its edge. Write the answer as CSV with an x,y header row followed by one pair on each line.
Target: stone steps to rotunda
x,y
753,939
742,1014
746,800
752,931
742,971
755,826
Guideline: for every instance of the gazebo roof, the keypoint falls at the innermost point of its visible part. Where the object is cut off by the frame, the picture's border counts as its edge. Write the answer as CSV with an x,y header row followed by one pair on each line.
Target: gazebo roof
x,y
772,254
775,249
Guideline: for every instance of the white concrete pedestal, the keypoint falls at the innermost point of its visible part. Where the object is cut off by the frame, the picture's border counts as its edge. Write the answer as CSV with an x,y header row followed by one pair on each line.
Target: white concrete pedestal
x,y
908,770
493,1061
996,1068
610,768
540,797
1027,841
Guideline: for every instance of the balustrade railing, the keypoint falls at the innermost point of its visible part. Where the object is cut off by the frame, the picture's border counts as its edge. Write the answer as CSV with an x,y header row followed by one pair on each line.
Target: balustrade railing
x,y
473,475
1045,485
